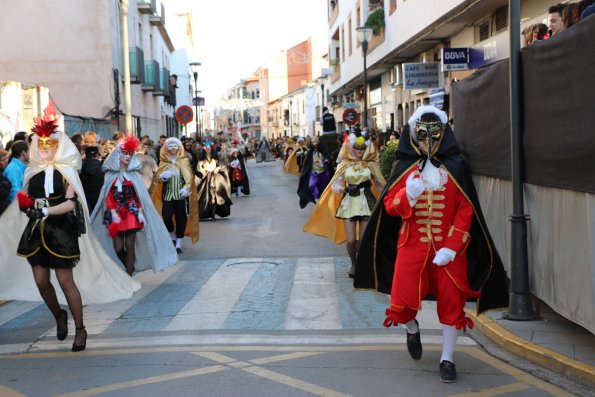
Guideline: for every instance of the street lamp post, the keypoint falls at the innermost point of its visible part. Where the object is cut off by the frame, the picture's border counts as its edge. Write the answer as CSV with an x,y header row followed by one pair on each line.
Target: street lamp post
x,y
521,308
364,34
194,66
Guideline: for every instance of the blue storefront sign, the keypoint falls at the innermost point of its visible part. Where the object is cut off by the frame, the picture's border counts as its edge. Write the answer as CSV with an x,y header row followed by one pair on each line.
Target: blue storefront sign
x,y
455,59
490,51
437,98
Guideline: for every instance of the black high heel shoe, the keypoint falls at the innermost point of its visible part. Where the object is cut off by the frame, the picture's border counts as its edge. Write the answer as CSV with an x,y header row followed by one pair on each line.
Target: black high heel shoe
x,y
78,348
62,334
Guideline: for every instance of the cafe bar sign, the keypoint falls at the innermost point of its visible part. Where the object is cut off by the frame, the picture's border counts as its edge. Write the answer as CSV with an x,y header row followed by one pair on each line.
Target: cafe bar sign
x,y
419,76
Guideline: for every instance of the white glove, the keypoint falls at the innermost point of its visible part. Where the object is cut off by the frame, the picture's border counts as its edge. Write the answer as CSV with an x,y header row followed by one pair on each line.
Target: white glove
x,y
115,217
184,192
235,164
444,256
165,175
45,212
141,218
414,188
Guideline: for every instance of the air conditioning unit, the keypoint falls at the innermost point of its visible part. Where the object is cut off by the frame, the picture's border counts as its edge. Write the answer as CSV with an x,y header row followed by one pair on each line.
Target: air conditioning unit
x,y
391,76
398,75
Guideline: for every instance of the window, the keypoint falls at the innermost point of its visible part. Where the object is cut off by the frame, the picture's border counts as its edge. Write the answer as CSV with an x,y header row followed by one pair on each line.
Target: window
x,y
392,7
358,19
484,31
501,18
349,34
342,44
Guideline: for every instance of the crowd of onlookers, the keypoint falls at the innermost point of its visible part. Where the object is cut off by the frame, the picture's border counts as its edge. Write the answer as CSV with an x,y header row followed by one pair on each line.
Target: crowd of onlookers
x,y
561,16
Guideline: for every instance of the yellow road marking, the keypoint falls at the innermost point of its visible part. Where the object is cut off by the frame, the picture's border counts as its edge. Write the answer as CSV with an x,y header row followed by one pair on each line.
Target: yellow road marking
x,y
292,352
296,383
283,357
7,392
515,372
145,381
495,391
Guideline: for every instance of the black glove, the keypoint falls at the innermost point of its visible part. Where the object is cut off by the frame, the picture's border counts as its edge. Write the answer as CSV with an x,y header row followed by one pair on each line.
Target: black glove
x,y
34,213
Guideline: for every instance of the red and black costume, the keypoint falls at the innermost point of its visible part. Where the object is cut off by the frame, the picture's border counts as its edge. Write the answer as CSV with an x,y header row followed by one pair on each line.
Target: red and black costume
x,y
126,204
397,233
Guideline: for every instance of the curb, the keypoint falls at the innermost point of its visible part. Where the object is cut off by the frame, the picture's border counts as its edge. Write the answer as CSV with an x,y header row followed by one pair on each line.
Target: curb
x,y
532,352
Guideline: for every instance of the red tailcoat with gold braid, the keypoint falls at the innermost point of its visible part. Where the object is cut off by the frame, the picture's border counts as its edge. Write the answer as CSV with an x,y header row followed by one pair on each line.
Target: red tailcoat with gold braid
x,y
439,218
400,242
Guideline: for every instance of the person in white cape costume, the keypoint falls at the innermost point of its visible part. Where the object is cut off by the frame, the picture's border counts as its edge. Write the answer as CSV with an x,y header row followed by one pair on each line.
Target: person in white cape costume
x,y
152,248
99,278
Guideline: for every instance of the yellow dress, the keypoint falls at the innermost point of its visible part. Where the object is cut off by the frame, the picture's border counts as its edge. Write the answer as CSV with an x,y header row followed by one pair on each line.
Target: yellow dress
x,y
361,205
323,220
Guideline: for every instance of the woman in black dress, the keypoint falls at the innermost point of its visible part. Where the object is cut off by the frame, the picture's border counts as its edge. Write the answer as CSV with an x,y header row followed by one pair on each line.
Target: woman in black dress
x,y
50,240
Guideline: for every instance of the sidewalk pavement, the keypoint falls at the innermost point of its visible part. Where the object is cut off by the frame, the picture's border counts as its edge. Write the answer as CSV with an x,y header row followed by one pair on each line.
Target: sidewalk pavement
x,y
551,341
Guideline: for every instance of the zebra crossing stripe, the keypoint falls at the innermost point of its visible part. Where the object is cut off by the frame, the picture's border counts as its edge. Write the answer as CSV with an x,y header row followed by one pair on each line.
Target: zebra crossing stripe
x,y
314,298
211,305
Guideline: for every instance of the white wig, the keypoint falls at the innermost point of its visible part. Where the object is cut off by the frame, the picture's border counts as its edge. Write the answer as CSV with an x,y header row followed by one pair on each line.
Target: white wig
x,y
173,140
423,110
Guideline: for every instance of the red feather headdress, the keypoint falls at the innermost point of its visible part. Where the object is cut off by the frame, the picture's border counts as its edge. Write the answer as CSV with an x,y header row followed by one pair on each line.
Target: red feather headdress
x,y
130,144
46,125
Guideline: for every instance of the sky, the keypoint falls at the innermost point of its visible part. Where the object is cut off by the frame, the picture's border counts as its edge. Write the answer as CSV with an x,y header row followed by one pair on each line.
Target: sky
x,y
235,37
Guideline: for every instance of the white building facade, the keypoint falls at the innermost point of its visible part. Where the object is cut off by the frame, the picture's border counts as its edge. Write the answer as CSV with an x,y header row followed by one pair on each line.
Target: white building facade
x,y
80,60
413,32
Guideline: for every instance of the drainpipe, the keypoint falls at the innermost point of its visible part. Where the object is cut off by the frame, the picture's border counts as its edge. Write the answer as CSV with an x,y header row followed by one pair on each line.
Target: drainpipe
x,y
127,94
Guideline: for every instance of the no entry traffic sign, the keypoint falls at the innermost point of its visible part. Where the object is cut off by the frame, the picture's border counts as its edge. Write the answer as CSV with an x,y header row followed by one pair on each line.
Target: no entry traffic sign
x,y
184,114
350,116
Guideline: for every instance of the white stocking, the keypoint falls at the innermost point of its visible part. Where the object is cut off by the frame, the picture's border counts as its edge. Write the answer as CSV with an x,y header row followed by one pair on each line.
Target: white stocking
x,y
178,243
412,327
449,341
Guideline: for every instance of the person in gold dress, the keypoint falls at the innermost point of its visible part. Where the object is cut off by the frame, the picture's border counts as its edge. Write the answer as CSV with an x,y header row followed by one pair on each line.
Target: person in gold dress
x,y
350,196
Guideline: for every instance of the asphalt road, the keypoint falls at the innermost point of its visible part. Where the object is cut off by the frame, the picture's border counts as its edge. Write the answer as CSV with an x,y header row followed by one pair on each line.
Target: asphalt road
x,y
257,308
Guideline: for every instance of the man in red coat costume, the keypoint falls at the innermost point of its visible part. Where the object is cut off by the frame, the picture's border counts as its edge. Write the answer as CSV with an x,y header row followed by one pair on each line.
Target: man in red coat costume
x,y
430,209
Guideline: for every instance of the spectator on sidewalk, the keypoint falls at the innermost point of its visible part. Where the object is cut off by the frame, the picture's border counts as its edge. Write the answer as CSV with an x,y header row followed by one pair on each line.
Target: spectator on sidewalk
x,y
15,170
5,185
555,18
329,125
91,176
534,33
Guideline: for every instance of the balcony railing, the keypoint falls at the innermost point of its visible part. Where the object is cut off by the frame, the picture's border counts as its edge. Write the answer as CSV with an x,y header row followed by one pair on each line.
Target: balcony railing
x,y
137,65
158,18
163,83
151,76
147,6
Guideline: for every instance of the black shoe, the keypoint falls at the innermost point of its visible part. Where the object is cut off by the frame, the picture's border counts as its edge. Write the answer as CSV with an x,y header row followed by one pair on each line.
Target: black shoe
x,y
414,344
178,250
78,348
61,334
448,372
174,242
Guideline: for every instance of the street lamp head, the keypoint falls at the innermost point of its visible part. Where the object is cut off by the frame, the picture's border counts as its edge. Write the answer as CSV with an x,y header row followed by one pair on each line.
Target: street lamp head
x,y
364,34
194,66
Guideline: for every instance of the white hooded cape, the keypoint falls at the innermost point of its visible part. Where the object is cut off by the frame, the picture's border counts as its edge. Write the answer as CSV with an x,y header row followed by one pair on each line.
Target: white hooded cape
x,y
99,278
153,246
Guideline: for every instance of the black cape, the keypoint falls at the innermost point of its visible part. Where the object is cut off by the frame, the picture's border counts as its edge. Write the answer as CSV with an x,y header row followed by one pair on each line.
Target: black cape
x,y
378,250
245,181
304,181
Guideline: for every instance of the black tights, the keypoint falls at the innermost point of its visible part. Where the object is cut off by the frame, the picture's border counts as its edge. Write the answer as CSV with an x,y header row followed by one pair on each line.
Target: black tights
x,y
124,246
68,287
